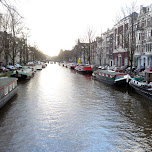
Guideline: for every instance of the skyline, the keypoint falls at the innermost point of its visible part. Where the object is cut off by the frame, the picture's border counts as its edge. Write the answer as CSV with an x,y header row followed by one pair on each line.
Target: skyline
x,y
56,25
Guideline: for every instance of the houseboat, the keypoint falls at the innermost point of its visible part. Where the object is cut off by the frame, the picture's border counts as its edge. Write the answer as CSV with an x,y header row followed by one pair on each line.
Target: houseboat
x,y
8,88
84,68
111,77
142,84
24,73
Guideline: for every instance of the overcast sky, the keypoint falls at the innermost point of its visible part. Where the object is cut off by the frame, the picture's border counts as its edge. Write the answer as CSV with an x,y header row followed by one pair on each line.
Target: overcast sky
x,y
57,24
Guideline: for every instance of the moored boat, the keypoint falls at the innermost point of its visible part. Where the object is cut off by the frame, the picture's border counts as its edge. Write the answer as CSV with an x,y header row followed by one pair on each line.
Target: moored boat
x,y
84,68
143,84
72,65
8,88
24,73
31,65
111,77
38,66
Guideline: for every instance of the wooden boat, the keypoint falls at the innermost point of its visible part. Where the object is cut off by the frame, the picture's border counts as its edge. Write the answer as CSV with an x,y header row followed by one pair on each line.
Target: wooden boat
x,y
143,84
111,77
86,68
8,88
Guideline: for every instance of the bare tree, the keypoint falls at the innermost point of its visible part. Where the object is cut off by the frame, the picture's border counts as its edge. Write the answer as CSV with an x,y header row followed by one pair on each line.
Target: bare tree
x,y
6,44
16,28
129,39
99,51
25,51
89,39
12,26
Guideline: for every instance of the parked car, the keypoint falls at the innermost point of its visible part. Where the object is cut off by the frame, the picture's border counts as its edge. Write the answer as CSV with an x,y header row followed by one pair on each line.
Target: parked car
x,y
11,67
116,69
128,70
111,68
123,68
18,66
3,69
101,67
141,69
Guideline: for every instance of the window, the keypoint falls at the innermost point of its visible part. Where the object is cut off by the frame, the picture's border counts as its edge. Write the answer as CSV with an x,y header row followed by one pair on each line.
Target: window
x,y
6,90
10,87
139,36
145,22
13,85
148,61
116,61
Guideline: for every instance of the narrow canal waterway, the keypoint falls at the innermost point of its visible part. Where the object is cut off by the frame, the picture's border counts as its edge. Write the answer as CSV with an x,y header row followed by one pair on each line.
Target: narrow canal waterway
x,y
60,110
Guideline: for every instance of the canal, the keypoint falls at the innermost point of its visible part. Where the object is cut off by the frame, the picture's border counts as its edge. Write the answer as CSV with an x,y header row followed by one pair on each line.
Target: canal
x,y
60,110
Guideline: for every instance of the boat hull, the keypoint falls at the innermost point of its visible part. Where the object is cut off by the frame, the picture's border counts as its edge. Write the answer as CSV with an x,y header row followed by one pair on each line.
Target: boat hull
x,y
20,76
111,81
142,91
84,69
6,98
26,73
111,78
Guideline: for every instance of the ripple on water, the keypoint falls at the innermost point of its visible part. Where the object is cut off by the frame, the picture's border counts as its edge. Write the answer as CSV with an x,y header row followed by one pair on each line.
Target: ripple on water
x,y
61,110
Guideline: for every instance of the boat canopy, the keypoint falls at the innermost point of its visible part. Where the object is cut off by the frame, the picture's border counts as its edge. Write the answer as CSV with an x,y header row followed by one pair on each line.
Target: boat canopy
x,y
5,81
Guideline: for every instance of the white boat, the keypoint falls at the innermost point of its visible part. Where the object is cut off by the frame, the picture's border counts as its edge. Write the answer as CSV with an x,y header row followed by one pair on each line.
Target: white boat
x,y
38,66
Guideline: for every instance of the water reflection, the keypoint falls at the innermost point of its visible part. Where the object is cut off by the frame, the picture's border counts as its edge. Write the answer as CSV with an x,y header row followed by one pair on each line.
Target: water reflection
x,y
61,110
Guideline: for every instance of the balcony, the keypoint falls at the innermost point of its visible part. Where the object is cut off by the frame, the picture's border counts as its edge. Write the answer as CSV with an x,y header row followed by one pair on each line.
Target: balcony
x,y
148,53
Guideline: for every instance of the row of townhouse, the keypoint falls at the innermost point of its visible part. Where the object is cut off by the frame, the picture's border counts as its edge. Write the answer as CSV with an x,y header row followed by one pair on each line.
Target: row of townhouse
x,y
112,47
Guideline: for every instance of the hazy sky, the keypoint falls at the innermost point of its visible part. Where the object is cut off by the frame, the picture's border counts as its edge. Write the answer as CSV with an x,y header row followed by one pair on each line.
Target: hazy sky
x,y
57,24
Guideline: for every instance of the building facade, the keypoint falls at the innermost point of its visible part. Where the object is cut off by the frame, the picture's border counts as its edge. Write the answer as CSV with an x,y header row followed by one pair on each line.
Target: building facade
x,y
143,54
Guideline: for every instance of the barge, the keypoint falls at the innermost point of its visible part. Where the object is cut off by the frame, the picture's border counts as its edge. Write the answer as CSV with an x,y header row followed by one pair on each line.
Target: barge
x,y
8,88
84,68
111,77
143,84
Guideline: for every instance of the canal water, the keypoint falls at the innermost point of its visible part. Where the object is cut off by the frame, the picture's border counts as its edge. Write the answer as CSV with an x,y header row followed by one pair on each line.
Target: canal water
x,y
60,110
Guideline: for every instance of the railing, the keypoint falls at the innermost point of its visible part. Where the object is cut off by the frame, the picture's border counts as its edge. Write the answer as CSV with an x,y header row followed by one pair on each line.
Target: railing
x,y
7,88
